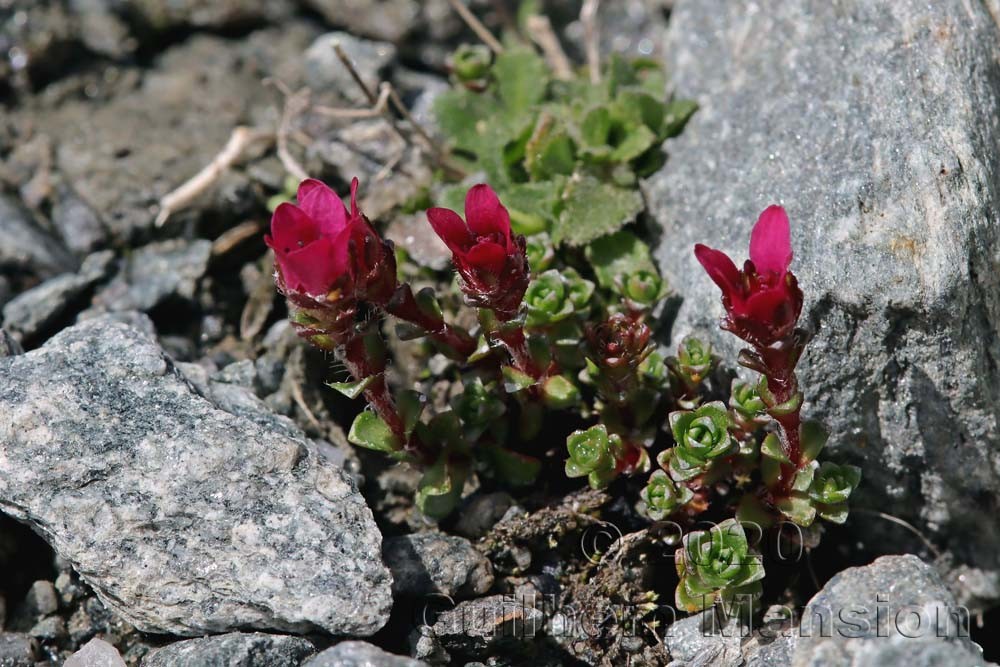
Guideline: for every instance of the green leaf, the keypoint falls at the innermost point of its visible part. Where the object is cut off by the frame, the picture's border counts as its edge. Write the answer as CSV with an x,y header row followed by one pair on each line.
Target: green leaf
x,y
440,488
771,448
641,107
678,112
352,389
369,431
459,113
549,152
560,393
514,468
530,202
515,380
593,209
595,129
521,76
813,437
637,141
410,404
797,508
616,256
833,513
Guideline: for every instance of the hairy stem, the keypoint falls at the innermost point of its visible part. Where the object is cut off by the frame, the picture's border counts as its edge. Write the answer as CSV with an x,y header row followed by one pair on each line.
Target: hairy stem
x,y
404,306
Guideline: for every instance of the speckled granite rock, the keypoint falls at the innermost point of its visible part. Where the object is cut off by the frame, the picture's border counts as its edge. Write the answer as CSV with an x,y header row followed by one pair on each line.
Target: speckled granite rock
x,y
156,272
26,247
324,72
359,654
33,311
876,125
434,563
237,649
96,653
895,611
390,20
184,518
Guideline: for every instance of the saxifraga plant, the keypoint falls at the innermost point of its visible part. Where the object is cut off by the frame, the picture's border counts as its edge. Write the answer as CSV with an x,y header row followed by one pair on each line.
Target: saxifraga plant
x,y
565,300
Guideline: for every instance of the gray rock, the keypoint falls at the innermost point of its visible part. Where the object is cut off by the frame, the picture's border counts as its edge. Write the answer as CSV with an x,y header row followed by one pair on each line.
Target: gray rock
x,y
363,149
433,563
359,654
875,125
634,28
42,599
50,628
6,291
95,653
172,14
123,153
409,232
80,228
17,650
184,518
157,272
482,512
699,641
874,615
237,649
390,20
26,247
40,308
475,627
324,71
9,345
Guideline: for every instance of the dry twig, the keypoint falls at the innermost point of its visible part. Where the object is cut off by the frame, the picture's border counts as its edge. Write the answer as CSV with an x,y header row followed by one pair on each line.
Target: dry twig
x,y
540,29
591,36
295,104
179,198
482,32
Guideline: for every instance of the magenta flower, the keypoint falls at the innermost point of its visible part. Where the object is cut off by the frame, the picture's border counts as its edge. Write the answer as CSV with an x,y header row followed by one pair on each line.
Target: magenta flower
x,y
322,251
763,302
491,261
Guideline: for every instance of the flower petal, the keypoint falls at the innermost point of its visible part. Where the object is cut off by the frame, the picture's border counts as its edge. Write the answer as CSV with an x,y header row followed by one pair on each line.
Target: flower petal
x,y
316,267
766,306
323,205
720,269
770,242
291,228
484,212
355,211
451,228
488,256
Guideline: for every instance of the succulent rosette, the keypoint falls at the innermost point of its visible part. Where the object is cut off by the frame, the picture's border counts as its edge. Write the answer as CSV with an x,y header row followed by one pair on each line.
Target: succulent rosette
x,y
661,496
831,487
554,296
746,403
701,437
593,454
718,566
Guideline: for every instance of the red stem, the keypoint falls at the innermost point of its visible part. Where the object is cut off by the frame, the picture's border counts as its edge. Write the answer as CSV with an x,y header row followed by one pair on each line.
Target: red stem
x,y
516,343
404,306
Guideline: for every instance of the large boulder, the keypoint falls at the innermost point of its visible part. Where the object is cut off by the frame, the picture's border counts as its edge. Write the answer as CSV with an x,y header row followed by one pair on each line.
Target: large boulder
x,y
184,517
876,126
895,611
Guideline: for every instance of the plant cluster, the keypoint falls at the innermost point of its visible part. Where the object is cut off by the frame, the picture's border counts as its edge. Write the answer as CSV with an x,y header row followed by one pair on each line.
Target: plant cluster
x,y
566,300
